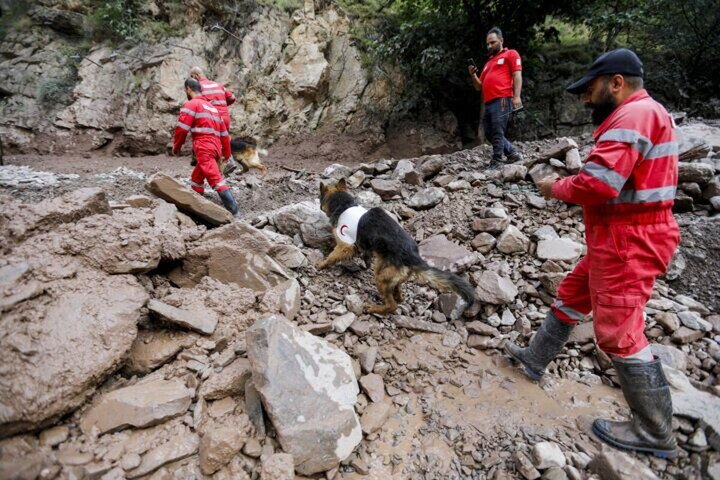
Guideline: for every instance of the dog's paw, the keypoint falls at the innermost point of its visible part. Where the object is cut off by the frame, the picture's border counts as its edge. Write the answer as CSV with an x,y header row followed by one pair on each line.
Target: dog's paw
x,y
321,265
375,309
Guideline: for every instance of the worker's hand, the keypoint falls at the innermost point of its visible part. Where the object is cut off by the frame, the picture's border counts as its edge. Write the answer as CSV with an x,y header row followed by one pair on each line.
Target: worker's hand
x,y
516,103
545,186
472,69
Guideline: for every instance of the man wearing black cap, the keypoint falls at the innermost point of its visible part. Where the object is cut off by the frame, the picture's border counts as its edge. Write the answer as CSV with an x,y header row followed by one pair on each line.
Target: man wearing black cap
x,y
627,188
500,82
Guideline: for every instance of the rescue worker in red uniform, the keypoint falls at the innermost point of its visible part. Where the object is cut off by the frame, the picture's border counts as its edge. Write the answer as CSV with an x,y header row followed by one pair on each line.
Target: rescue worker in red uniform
x,y
210,140
626,188
219,97
500,82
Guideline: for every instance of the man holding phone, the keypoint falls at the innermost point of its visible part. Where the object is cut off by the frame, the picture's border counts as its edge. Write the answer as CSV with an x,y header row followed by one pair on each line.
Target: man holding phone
x,y
500,82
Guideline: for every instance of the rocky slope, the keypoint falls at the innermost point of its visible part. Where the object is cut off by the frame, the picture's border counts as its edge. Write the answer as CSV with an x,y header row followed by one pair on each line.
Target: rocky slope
x,y
138,343
293,74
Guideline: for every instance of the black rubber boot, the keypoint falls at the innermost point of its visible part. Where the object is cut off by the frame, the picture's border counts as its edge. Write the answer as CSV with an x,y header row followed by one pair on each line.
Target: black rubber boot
x,y
543,348
648,394
230,167
229,202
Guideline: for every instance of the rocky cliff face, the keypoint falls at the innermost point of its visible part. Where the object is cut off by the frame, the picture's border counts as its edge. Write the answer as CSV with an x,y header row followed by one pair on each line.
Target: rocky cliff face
x,y
292,73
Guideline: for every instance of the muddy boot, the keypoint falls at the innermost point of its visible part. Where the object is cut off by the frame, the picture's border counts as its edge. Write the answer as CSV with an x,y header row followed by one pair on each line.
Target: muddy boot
x,y
514,157
229,202
648,394
544,346
230,167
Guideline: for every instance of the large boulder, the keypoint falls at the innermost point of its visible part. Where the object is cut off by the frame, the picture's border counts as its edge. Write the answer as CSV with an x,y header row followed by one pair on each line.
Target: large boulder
x,y
304,219
187,201
236,253
83,324
309,389
700,173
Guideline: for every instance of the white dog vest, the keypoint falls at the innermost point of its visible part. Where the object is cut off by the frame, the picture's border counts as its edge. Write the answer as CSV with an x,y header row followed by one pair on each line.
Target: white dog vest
x,y
347,226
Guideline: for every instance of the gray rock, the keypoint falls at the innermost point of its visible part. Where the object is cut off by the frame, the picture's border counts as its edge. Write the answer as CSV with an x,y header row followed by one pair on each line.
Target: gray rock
x,y
176,448
513,173
483,242
187,201
431,166
343,322
369,199
541,171
494,289
694,321
367,358
490,224
416,324
153,348
524,466
546,232
229,381
582,333
559,249
558,149
670,356
402,168
306,219
278,466
375,415
387,189
690,402
684,335
700,173
426,198
200,319
616,465
336,171
513,240
458,185
356,179
441,253
547,455
218,446
308,388
573,163
536,201
372,384
139,405
669,321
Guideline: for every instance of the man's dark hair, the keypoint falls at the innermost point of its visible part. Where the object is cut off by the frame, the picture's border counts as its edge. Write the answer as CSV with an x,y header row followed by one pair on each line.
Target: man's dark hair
x,y
496,31
193,85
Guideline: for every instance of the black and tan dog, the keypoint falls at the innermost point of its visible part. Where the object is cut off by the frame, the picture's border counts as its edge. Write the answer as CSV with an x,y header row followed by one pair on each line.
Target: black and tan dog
x,y
246,152
395,256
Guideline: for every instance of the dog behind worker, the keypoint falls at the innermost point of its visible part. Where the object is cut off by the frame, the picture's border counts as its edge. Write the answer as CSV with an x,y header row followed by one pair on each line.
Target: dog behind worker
x,y
210,140
395,256
246,150
626,188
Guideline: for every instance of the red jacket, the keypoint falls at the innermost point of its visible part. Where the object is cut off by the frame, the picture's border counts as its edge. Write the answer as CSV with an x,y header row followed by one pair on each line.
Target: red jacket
x,y
631,174
497,74
217,95
209,133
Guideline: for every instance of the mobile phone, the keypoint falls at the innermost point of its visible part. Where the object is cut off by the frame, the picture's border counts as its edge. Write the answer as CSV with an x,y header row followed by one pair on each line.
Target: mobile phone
x,y
471,61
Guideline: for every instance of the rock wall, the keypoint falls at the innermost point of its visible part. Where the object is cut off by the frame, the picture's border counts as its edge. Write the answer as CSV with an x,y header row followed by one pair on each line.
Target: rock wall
x,y
292,73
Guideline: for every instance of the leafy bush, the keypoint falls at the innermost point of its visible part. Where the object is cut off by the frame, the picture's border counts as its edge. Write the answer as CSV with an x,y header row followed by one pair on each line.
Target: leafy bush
x,y
117,19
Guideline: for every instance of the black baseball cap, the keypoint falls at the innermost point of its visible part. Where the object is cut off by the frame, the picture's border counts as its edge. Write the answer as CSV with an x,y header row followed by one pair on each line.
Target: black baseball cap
x,y
620,60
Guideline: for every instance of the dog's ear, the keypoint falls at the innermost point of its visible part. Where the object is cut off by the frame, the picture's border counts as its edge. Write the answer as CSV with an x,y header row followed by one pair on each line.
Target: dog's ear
x,y
342,185
323,189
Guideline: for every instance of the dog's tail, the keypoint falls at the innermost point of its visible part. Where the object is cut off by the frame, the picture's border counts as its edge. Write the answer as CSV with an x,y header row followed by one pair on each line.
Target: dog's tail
x,y
446,281
261,151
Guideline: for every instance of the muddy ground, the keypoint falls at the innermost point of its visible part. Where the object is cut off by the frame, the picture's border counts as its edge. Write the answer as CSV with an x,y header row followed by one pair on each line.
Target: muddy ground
x,y
460,412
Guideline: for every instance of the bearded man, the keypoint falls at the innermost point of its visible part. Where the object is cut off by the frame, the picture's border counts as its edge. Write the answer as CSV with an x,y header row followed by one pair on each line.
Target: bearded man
x,y
626,188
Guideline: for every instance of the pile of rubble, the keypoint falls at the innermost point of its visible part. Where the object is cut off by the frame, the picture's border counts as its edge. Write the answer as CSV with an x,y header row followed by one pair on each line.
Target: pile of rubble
x,y
158,338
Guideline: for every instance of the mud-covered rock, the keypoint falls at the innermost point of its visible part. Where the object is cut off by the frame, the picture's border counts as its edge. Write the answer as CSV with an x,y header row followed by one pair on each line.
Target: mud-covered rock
x,y
188,201
308,388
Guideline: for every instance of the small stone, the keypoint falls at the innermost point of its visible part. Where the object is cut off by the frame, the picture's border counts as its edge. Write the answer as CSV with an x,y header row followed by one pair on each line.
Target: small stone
x,y
387,189
451,339
513,240
616,465
200,319
694,321
513,172
698,439
278,466
375,415
367,359
218,446
130,461
483,242
559,249
343,322
252,448
54,436
494,289
524,466
426,198
684,335
372,384
547,455
669,321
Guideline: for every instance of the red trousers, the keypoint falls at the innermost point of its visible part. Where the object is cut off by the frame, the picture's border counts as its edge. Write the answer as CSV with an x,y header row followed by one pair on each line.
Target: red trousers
x,y
207,169
615,280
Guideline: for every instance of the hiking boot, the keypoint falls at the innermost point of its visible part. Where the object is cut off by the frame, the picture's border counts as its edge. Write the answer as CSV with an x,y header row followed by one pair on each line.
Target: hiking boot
x,y
648,394
543,348
230,167
229,202
514,157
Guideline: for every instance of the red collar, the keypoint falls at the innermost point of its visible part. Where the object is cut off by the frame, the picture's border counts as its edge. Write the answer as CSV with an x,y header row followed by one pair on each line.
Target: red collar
x,y
639,95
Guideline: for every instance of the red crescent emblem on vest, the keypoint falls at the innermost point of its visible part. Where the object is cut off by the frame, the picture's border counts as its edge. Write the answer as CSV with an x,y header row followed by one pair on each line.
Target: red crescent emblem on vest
x,y
342,233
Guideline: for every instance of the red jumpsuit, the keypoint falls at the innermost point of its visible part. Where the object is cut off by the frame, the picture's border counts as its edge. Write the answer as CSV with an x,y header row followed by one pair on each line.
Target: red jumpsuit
x,y
219,96
210,139
627,189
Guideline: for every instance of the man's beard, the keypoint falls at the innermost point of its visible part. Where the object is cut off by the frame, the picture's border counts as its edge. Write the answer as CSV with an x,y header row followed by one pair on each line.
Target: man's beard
x,y
494,51
603,107
188,96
